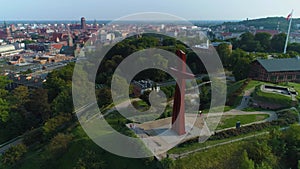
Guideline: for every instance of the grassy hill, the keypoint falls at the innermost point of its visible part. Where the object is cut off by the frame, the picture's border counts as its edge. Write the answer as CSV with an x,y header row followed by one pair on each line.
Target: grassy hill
x,y
80,147
272,99
268,23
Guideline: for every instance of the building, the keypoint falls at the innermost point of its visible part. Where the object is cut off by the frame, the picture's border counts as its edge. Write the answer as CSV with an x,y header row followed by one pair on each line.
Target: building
x,y
276,70
227,35
271,32
17,60
83,23
51,58
11,49
25,80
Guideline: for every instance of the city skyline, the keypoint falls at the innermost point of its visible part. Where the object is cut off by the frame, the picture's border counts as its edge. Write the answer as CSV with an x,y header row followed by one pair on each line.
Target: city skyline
x,y
114,9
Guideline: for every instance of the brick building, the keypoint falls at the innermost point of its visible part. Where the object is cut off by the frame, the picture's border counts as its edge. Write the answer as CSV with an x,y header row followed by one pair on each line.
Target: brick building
x,y
276,70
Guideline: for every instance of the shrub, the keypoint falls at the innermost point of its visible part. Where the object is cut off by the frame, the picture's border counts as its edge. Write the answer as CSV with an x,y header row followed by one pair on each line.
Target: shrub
x,y
14,154
33,136
59,144
55,124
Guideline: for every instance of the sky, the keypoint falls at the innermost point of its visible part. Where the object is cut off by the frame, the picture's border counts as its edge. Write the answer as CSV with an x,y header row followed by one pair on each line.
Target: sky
x,y
114,9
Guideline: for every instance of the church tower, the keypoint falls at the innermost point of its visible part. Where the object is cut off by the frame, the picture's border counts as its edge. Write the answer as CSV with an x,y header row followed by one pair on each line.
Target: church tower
x,y
83,23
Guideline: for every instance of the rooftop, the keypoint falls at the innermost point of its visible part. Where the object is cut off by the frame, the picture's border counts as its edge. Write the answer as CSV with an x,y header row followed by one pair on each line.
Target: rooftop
x,y
279,65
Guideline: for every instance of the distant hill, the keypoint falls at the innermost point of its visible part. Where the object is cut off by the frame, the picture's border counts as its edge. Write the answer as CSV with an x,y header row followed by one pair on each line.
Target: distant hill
x,y
268,23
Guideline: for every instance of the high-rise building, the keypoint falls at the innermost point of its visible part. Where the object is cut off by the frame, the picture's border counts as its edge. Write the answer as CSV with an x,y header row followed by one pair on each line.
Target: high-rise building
x,y
83,23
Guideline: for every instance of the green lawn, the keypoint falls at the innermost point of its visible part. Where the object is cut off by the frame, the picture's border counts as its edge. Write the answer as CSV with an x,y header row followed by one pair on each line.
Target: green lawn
x,y
140,105
225,156
231,88
230,121
239,88
252,109
253,84
273,98
192,146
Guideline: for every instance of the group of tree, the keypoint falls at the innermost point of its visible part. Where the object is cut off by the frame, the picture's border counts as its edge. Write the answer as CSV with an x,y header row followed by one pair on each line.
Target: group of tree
x,y
13,155
264,42
279,150
237,61
134,44
260,42
22,109
40,113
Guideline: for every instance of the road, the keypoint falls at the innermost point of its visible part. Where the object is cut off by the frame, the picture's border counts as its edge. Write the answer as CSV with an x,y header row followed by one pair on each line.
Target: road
x,y
4,147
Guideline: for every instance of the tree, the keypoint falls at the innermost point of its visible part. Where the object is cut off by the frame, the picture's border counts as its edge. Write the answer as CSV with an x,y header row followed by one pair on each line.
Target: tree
x,y
104,97
252,46
3,83
54,124
260,152
265,40
59,80
39,105
278,144
19,98
117,59
205,97
241,69
167,163
246,163
54,85
14,154
292,140
248,43
4,111
59,145
90,161
235,56
169,42
168,90
224,53
246,37
63,103
145,97
263,165
278,42
120,86
33,136
294,47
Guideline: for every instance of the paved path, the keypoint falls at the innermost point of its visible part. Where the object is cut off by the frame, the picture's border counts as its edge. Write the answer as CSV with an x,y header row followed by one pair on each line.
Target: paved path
x,y
245,100
245,103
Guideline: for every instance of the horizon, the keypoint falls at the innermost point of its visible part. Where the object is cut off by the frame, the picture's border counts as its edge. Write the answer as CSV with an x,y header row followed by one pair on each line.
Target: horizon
x,y
109,20
114,9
